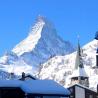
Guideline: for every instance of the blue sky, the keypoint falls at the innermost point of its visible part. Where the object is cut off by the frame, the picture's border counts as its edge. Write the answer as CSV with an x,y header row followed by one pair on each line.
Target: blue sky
x,y
70,17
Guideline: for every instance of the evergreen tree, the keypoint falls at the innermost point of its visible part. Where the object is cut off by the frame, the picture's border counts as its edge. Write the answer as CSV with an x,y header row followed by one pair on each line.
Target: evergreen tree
x,y
96,35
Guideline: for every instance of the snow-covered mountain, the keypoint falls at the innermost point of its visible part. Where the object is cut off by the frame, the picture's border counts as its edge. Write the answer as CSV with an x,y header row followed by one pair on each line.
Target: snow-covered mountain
x,y
44,50
41,44
60,68
10,62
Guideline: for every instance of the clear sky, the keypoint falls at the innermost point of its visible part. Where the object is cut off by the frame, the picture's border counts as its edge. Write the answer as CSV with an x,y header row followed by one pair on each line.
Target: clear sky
x,y
70,17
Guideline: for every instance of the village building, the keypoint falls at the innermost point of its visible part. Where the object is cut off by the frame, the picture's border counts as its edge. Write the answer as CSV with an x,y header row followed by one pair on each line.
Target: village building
x,y
80,91
79,86
32,89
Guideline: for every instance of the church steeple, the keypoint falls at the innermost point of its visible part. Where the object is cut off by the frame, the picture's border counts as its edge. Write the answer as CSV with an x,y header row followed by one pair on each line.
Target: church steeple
x,y
79,75
78,62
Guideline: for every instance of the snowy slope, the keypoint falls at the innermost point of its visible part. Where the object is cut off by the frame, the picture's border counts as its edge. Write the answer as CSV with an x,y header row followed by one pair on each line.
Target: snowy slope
x,y
30,42
60,68
41,44
44,53
12,63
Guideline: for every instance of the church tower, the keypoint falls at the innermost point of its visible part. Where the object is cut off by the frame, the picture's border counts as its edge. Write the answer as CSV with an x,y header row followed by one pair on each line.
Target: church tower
x,y
79,75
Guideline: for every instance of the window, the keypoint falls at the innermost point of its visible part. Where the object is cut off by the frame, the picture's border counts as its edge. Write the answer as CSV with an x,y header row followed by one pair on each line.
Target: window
x,y
71,90
90,96
71,96
51,97
96,96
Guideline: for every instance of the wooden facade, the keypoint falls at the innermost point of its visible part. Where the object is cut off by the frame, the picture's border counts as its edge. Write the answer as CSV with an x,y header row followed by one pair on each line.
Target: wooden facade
x,y
79,91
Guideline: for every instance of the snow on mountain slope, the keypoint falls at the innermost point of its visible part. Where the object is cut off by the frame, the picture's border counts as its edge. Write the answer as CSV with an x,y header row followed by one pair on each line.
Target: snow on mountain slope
x,y
12,63
57,68
43,49
30,42
42,43
8,58
60,68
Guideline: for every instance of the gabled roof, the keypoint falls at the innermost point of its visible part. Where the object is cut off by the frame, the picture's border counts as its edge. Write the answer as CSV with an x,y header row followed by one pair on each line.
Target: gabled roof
x,y
81,86
29,77
10,83
44,87
37,86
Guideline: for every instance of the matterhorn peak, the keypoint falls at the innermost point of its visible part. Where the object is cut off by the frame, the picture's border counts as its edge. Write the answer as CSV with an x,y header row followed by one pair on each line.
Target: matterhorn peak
x,y
29,43
41,22
41,18
44,19
42,43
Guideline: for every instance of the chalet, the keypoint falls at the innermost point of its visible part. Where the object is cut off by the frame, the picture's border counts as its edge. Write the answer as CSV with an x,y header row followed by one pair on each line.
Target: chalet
x,y
80,91
11,89
32,89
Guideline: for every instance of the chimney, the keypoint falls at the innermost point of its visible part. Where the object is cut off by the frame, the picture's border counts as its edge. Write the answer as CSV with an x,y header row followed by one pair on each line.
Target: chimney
x,y
11,75
23,76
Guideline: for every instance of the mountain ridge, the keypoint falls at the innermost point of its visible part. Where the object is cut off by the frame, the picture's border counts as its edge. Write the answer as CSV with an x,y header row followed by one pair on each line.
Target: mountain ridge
x,y
44,54
41,44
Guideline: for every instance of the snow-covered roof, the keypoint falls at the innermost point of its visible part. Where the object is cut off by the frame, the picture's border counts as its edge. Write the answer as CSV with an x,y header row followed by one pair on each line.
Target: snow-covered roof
x,y
44,87
10,83
36,86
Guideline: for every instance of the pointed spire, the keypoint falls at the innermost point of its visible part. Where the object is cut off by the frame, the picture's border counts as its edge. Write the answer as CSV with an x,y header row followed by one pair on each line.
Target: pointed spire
x,y
79,75
78,62
79,67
